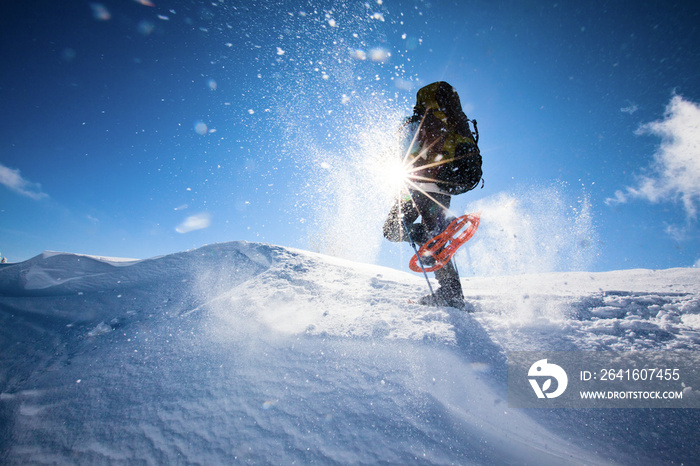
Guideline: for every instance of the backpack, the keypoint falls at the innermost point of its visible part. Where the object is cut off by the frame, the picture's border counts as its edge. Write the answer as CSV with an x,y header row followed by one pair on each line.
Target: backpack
x,y
449,147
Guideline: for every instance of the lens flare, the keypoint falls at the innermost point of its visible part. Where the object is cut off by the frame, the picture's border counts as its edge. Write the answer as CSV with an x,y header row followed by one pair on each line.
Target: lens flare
x,y
413,179
397,174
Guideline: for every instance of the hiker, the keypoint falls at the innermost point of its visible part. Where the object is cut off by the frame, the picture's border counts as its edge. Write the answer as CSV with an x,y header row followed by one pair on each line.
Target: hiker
x,y
444,161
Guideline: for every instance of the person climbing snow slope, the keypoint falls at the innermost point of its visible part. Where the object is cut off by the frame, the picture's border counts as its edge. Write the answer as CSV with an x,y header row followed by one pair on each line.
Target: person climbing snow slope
x,y
442,160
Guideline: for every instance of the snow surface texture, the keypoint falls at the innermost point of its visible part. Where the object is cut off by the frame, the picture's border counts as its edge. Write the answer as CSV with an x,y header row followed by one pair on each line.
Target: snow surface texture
x,y
243,352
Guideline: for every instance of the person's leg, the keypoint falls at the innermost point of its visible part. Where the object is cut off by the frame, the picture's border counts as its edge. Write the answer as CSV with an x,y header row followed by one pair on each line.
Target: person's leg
x,y
448,278
405,210
433,217
393,226
431,208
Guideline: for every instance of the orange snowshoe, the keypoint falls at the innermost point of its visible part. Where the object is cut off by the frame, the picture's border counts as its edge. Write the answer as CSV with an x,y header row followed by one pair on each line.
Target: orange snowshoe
x,y
439,250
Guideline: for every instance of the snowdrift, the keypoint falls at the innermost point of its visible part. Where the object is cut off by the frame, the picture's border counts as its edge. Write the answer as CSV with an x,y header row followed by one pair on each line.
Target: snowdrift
x,y
244,352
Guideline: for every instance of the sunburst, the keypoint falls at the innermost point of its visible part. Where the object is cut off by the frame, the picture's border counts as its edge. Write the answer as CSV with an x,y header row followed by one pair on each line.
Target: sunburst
x,y
408,171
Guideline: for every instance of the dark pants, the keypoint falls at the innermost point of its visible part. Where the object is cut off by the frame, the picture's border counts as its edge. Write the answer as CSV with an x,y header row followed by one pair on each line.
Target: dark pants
x,y
432,222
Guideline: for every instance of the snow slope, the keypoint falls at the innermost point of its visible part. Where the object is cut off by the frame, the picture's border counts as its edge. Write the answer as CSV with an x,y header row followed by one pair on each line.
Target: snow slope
x,y
244,352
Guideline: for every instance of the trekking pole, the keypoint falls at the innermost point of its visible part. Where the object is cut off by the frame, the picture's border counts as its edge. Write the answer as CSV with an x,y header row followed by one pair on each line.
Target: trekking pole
x,y
420,261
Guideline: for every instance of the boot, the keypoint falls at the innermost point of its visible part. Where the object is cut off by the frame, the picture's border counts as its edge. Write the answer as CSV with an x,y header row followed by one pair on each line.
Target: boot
x,y
443,297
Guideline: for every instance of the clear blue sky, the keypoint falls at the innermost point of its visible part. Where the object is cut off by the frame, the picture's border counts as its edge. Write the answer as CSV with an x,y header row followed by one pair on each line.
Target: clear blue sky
x,y
141,128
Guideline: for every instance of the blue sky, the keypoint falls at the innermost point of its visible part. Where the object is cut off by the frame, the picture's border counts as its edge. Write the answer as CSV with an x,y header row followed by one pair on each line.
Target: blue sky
x,y
141,128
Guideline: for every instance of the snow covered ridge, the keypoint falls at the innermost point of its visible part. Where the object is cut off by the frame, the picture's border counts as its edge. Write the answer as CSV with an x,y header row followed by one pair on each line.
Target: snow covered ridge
x,y
300,292
245,352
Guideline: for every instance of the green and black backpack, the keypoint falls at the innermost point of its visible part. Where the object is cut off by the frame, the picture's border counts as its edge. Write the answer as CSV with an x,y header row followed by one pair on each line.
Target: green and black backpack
x,y
447,144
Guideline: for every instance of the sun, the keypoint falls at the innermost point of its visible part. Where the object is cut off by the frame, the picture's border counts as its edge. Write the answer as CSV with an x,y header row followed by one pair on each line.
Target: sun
x,y
396,175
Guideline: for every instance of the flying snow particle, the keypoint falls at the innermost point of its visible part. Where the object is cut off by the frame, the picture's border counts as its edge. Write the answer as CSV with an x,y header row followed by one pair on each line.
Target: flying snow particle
x,y
358,54
513,225
146,27
200,128
100,12
212,84
268,404
101,329
146,2
251,111
280,51
378,16
379,55
194,222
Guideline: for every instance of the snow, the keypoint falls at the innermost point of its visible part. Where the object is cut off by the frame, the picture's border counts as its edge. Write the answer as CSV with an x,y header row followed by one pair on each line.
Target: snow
x,y
244,352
